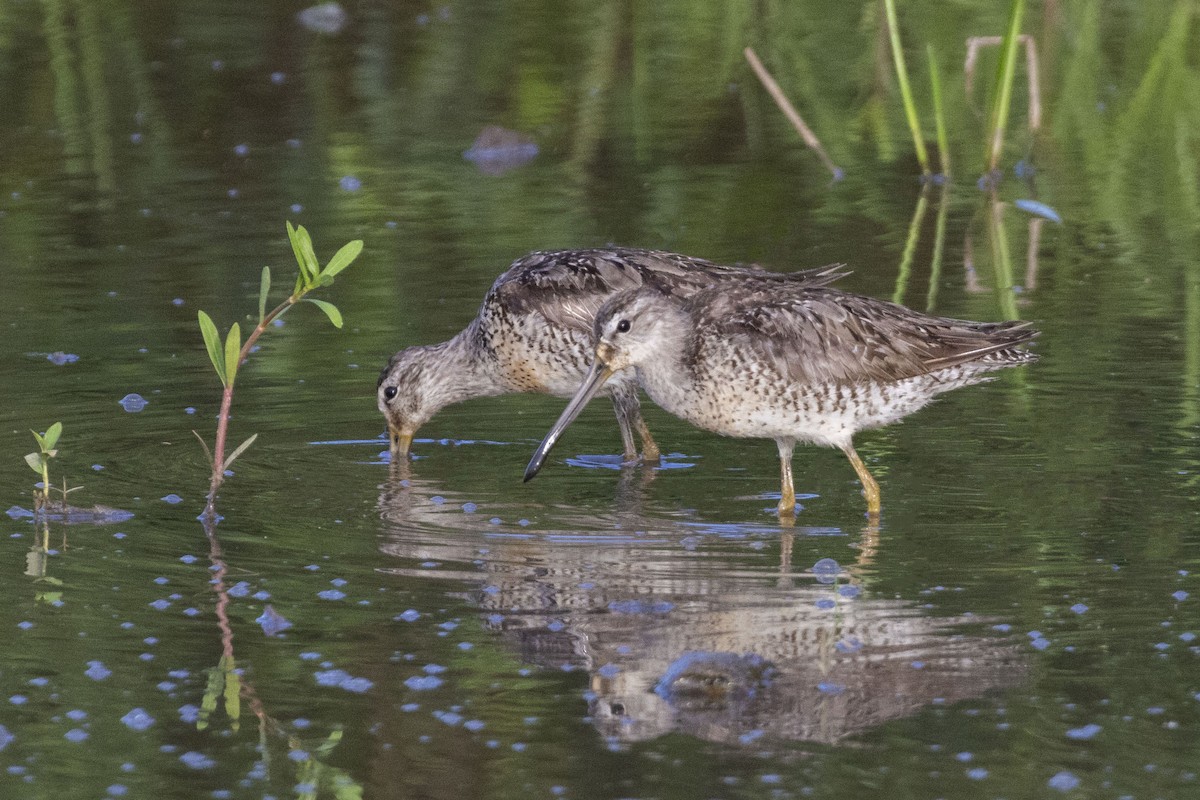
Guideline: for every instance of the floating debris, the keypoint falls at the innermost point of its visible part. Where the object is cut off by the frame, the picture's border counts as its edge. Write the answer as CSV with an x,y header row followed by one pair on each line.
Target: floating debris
x,y
273,623
328,19
133,403
59,358
1038,210
497,150
72,515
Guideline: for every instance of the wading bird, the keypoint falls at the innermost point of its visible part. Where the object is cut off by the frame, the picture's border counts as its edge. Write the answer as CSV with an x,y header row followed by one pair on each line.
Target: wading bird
x,y
762,358
533,333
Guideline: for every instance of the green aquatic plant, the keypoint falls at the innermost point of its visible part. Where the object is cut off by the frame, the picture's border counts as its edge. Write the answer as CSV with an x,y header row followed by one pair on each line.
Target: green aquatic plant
x,y
39,462
910,105
1002,93
228,356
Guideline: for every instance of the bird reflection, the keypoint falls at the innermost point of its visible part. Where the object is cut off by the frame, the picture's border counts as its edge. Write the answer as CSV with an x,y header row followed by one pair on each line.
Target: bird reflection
x,y
681,630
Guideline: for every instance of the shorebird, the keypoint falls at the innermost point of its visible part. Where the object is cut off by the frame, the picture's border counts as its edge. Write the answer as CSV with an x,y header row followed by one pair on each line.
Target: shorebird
x,y
533,333
761,358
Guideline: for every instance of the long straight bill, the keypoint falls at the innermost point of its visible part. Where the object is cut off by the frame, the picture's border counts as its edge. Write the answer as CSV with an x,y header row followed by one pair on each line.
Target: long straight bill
x,y
592,384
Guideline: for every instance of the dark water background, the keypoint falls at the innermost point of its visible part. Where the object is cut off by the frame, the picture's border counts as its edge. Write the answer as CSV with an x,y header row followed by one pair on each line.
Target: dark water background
x,y
1022,622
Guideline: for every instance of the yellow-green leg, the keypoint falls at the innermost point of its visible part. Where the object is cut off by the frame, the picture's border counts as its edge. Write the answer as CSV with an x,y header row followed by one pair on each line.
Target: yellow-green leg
x,y
870,487
650,452
787,490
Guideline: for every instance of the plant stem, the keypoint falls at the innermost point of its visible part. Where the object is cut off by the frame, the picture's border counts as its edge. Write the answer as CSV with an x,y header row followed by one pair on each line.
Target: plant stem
x,y
910,106
1002,94
218,465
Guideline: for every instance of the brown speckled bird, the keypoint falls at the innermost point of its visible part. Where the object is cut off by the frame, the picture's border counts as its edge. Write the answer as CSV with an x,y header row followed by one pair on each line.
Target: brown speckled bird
x,y
789,362
533,333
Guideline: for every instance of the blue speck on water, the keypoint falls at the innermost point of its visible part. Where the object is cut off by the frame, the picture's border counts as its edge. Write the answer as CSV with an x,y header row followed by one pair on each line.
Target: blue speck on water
x,y
272,622
313,567
851,645
448,625
76,735
197,760
609,671
278,78
825,603
964,757
339,582
918,665
301,723
16,512
420,683
117,790
239,589
6,738
639,607
474,725
97,671
1040,643
408,708
20,699
465,646
437,500
189,713
412,615
1038,210
495,521
826,570
59,358
434,669
297,755
262,594
1162,646
448,717
1079,608
242,150
178,301
349,183
343,680
137,720
1187,636
76,714
296,208
331,594
469,508
161,604
310,656
849,592
1084,733
977,773
1064,781
133,403
25,625
188,559
828,687
172,498
1180,595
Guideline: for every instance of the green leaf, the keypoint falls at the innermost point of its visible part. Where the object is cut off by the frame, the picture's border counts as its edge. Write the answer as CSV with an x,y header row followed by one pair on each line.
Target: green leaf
x,y
330,310
41,440
263,288
241,449
343,258
305,256
212,340
52,434
233,351
34,460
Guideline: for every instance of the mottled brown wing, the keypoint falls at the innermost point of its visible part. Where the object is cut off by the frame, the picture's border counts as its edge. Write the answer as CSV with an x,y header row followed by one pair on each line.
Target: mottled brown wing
x,y
567,287
816,335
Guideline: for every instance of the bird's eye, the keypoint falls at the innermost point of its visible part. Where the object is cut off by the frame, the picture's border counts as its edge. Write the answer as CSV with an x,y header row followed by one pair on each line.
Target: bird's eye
x,y
389,392
623,326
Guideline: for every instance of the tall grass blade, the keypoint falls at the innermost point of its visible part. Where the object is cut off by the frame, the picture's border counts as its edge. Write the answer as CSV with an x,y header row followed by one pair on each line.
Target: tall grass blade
x,y
1002,92
910,106
939,111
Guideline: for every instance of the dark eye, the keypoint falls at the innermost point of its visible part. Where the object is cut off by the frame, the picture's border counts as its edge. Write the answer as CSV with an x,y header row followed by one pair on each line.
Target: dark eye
x,y
623,326
389,392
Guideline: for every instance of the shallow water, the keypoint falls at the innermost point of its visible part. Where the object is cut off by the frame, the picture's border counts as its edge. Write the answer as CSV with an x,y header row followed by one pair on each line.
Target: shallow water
x,y
1022,621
